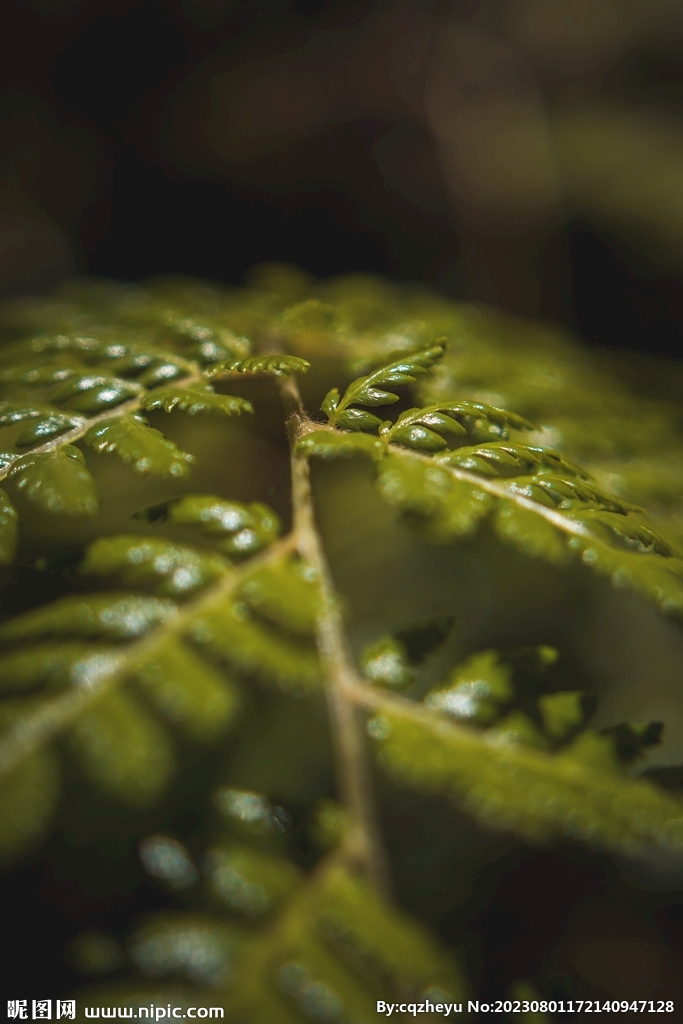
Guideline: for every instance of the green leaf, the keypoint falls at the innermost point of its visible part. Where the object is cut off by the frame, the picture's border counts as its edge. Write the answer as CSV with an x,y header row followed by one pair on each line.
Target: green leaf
x,y
92,393
446,506
336,948
531,533
385,663
368,390
187,691
45,429
28,801
163,371
112,616
504,459
135,442
624,532
275,365
384,942
537,795
327,444
122,750
56,481
250,646
286,593
41,663
195,948
247,881
241,528
40,376
419,437
357,419
564,713
170,570
476,691
194,399
17,412
330,402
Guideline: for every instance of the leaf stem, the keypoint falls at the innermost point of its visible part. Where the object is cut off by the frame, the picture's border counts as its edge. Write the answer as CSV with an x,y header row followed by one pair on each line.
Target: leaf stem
x,y
363,845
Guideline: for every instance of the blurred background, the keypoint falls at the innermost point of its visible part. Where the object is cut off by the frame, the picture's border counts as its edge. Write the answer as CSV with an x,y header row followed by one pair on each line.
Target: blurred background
x,y
527,153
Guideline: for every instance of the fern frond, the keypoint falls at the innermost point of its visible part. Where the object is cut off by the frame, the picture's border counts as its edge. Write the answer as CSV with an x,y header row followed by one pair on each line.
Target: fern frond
x,y
92,393
17,412
135,650
273,365
170,570
332,950
369,391
57,481
146,639
46,428
194,399
240,528
552,517
132,439
329,444
187,691
28,800
237,637
122,750
336,949
514,787
109,616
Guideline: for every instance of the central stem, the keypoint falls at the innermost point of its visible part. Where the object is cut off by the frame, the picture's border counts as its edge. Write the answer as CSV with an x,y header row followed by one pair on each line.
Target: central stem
x,y
362,843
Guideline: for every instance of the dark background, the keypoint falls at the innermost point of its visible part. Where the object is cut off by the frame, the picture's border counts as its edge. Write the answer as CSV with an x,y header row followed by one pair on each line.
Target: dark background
x,y
86,90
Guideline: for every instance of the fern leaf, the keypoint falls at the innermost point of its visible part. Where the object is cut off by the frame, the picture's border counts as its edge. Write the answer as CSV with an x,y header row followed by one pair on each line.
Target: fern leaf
x,y
234,635
385,663
162,371
537,795
610,543
28,800
337,947
47,428
135,442
328,444
111,616
275,366
91,393
170,570
194,948
194,399
448,506
424,428
285,593
240,528
115,692
188,692
17,412
249,882
533,535
122,750
47,663
506,459
368,390
56,481
39,376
